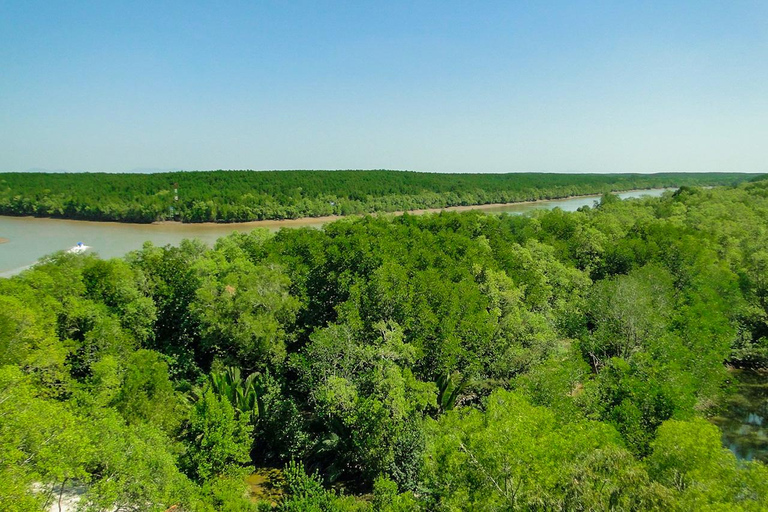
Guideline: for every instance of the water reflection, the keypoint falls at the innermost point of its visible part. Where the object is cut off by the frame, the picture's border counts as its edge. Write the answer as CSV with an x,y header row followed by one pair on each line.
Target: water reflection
x,y
744,422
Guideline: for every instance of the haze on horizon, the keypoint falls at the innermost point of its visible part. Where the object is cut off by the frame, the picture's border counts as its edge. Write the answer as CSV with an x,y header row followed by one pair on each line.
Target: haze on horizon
x,y
429,86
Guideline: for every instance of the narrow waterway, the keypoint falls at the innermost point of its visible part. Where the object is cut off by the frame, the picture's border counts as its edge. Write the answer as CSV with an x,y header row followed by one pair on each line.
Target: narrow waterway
x,y
745,421
29,238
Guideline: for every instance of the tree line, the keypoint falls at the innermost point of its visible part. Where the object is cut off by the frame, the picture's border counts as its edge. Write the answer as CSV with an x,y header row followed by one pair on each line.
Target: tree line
x,y
454,361
239,196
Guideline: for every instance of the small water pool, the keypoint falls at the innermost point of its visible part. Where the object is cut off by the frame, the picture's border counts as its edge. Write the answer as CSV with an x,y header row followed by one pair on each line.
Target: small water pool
x,y
745,421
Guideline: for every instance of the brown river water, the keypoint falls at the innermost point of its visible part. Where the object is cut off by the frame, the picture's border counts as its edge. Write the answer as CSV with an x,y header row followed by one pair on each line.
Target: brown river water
x,y
29,238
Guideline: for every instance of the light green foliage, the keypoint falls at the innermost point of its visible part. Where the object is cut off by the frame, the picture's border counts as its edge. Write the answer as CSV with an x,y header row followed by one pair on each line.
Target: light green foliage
x,y
369,403
521,337
634,400
136,469
227,494
40,440
92,333
610,478
387,499
305,493
558,382
336,398
19,331
628,313
28,335
105,382
44,444
172,284
114,283
457,361
689,458
476,460
243,309
548,284
218,440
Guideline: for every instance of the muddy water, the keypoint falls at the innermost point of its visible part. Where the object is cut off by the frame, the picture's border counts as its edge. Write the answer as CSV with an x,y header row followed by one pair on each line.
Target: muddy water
x,y
29,239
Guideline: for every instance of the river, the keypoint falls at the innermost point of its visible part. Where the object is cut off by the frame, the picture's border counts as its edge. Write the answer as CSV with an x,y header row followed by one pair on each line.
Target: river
x,y
29,238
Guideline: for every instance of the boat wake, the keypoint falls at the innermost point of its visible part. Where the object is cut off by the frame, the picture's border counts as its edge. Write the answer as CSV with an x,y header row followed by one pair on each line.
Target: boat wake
x,y
79,248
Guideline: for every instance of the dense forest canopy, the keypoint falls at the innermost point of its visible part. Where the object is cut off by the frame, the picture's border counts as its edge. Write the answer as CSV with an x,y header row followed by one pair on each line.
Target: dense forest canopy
x,y
454,361
238,196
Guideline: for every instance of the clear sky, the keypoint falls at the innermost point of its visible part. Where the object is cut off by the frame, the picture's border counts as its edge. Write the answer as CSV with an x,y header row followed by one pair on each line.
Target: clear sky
x,y
613,86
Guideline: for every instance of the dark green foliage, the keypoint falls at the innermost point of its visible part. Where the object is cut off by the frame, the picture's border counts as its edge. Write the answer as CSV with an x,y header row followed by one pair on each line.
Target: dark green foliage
x,y
146,393
634,401
238,196
280,431
172,283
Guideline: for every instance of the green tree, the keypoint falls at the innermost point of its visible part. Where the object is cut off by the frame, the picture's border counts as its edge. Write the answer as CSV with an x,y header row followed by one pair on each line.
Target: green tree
x,y
688,457
217,440
243,311
477,460
147,394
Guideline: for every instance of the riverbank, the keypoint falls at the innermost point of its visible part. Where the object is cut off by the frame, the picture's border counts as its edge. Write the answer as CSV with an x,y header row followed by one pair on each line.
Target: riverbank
x,y
34,237
224,196
304,221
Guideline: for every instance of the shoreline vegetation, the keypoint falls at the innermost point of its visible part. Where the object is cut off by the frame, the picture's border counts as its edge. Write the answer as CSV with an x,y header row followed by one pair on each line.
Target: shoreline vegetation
x,y
173,232
252,196
419,211
300,221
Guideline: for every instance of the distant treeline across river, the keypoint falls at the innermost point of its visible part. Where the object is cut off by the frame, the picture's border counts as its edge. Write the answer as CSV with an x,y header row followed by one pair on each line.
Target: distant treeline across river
x,y
242,196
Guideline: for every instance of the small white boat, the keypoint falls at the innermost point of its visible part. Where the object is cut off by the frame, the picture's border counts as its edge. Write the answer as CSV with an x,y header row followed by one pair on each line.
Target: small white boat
x,y
80,247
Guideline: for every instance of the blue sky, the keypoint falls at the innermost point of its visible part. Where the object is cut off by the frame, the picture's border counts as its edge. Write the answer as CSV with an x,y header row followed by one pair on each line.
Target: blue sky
x,y
446,86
